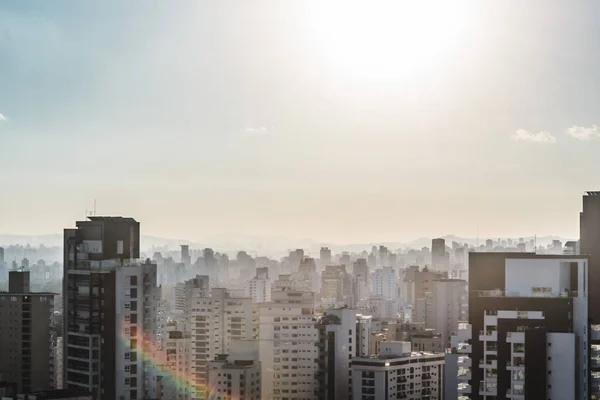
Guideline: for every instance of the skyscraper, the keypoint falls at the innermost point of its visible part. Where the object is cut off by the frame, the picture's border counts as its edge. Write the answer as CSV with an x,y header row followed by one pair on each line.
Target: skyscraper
x,y
398,373
529,316
324,257
109,310
185,255
449,307
385,283
26,336
216,322
343,334
589,225
288,339
440,258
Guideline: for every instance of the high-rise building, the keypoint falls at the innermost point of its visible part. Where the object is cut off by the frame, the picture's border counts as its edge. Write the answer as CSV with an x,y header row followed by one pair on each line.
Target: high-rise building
x,y
324,257
457,370
259,288
589,244
216,322
343,335
26,335
3,268
360,282
440,258
449,307
177,361
110,301
385,283
398,373
185,255
529,318
288,339
235,375
335,285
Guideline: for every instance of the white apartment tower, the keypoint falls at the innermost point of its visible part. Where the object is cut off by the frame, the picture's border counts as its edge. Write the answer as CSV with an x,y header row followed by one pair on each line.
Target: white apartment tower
x,y
235,375
216,322
398,373
449,300
385,283
176,364
259,288
288,350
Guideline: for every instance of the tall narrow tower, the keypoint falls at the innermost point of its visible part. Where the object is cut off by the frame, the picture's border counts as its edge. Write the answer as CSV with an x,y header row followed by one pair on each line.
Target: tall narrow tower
x,y
108,315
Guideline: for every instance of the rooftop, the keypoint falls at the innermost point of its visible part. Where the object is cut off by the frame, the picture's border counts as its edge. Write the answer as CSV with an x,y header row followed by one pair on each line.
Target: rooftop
x,y
108,218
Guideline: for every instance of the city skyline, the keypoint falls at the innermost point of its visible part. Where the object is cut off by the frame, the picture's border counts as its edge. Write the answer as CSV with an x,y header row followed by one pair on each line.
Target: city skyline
x,y
288,120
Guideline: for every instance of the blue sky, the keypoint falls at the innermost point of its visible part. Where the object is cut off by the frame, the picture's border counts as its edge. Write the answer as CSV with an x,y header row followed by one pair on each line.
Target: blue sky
x,y
294,119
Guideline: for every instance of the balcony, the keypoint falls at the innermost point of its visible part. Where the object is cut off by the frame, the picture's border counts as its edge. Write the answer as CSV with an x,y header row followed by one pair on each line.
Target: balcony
x,y
464,374
488,389
464,348
518,394
518,348
489,364
516,366
464,361
464,388
488,336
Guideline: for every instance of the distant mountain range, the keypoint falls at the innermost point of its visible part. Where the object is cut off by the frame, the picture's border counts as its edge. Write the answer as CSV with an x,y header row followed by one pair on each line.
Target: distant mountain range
x,y
260,245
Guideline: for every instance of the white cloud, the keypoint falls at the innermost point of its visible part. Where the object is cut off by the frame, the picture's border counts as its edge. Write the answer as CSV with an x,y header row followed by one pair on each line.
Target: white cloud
x,y
584,133
2,117
539,137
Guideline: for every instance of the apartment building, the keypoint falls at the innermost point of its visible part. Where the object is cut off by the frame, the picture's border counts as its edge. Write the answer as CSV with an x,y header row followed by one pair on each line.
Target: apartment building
x,y
236,375
259,288
288,339
343,334
529,320
217,321
177,363
398,373
26,335
385,283
110,302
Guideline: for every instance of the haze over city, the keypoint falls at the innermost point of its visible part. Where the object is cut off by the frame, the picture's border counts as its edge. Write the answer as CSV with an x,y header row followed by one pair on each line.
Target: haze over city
x,y
346,124
299,200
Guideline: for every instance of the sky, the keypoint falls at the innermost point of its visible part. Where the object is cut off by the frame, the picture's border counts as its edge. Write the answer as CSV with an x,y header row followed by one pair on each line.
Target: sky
x,y
338,121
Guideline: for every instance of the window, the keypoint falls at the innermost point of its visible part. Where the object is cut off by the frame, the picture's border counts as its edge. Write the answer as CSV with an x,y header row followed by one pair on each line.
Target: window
x,y
133,280
133,304
119,247
133,293
133,318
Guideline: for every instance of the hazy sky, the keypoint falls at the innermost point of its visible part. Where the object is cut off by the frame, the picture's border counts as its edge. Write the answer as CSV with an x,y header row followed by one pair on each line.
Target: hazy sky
x,y
340,121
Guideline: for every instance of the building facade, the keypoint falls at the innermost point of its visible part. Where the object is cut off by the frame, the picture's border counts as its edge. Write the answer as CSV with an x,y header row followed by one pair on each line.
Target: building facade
x,y
398,373
110,301
26,335
288,346
529,318
216,322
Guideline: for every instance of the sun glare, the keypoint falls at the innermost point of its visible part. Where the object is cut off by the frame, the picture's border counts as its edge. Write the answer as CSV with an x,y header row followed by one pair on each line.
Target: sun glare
x,y
387,41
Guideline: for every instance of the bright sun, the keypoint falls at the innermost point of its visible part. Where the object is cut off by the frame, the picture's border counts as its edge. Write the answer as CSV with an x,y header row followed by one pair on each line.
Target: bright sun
x,y
387,41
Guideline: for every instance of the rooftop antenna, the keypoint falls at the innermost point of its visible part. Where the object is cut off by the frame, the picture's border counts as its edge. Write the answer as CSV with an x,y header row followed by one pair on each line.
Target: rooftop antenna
x,y
94,207
535,243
